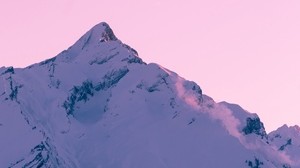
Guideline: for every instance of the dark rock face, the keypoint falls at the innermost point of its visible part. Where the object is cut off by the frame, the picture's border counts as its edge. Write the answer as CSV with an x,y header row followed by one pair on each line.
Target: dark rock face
x,y
79,93
254,125
288,142
135,53
254,164
14,88
9,70
196,89
108,34
88,89
111,78
40,156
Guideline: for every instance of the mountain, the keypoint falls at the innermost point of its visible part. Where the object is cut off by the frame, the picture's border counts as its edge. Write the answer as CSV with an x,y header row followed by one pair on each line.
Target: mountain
x,y
99,105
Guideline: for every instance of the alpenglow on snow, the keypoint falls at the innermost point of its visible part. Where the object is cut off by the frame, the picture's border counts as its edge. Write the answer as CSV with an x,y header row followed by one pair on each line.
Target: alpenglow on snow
x,y
99,105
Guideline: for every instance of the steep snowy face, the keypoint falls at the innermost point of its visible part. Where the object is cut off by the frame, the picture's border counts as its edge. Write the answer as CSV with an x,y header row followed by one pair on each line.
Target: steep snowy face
x,y
250,123
98,34
90,41
287,140
38,102
97,104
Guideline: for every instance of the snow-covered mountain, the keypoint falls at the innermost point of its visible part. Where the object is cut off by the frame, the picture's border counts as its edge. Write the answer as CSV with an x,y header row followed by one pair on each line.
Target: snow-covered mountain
x,y
98,105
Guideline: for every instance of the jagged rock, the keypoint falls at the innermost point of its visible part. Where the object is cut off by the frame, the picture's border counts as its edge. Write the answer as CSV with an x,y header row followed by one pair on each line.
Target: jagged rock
x,y
254,125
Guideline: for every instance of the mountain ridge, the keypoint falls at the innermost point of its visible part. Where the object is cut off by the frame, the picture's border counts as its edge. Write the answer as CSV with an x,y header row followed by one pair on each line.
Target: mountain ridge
x,y
97,104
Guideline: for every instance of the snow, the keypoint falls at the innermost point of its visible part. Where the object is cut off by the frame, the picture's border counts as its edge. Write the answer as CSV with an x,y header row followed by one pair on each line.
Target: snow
x,y
97,104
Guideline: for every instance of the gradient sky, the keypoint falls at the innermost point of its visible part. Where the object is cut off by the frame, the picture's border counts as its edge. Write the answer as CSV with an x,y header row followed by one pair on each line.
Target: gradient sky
x,y
246,52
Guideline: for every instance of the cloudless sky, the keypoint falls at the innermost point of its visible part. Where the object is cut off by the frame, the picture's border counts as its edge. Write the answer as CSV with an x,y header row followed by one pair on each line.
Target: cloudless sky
x,y
245,52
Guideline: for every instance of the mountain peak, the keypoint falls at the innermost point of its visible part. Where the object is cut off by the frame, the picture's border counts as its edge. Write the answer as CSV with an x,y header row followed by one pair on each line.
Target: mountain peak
x,y
103,32
98,34
97,104
94,38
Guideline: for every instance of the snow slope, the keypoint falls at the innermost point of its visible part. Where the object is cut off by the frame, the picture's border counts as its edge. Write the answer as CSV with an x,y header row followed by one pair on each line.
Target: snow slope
x,y
98,105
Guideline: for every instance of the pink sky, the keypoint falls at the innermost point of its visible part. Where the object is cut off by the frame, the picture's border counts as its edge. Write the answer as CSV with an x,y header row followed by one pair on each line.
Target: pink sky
x,y
246,52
